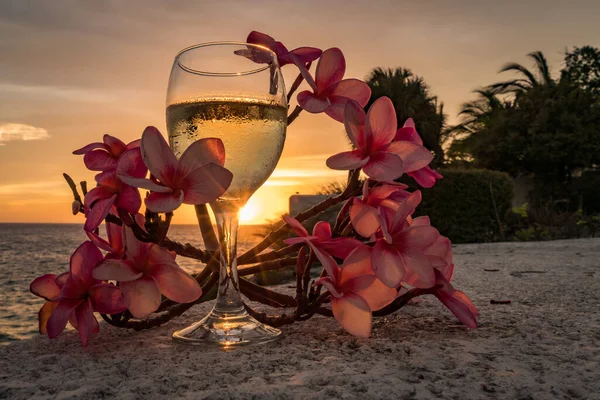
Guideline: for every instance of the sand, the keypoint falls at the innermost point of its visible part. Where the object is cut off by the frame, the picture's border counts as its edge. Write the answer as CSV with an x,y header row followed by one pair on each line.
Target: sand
x,y
544,345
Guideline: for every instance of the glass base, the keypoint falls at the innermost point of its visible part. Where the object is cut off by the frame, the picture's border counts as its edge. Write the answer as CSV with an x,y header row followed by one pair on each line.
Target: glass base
x,y
227,330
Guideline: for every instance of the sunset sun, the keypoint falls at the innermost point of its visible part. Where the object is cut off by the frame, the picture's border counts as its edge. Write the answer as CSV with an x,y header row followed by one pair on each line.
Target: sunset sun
x,y
249,212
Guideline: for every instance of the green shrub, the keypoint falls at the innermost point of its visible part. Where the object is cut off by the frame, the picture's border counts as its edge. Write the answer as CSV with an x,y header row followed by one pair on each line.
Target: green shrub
x,y
469,205
587,191
545,222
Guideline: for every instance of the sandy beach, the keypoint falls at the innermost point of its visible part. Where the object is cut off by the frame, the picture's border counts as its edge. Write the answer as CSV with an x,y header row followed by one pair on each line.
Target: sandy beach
x,y
544,345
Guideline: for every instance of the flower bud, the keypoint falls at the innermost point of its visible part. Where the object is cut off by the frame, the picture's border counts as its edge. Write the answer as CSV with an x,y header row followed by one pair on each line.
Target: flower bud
x,y
75,207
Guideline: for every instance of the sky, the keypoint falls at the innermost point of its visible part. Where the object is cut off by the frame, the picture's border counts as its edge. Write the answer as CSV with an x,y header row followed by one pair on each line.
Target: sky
x,y
73,70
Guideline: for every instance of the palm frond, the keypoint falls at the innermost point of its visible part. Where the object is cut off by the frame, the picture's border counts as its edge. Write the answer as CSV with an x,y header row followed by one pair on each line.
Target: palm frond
x,y
522,70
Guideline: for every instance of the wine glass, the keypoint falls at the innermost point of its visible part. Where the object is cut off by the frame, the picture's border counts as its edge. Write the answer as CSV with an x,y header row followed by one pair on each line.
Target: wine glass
x,y
235,92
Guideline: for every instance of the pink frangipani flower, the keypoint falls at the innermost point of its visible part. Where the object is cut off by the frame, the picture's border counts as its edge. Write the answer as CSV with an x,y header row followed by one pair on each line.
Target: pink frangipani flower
x,y
147,272
425,176
330,92
355,290
364,213
104,156
399,256
456,301
440,252
198,177
284,56
110,194
321,237
47,287
114,245
371,134
80,295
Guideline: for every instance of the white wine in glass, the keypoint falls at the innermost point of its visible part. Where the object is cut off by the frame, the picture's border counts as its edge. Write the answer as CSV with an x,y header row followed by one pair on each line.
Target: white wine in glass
x,y
216,90
252,130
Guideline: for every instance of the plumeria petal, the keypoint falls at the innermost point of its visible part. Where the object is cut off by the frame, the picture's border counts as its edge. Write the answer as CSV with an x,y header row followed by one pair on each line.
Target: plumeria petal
x,y
129,199
90,147
303,54
108,179
45,286
422,220
419,271
357,263
441,248
420,237
387,264
85,325
136,250
312,103
447,272
116,270
133,144
142,296
408,133
131,164
175,284
163,202
372,290
426,177
354,121
353,313
347,160
340,247
62,279
384,167
406,208
95,194
82,263
457,302
116,146
295,225
114,233
44,314
413,156
327,284
364,218
205,184
322,230
330,69
340,94
144,183
200,153
384,216
381,122
99,160
157,156
107,299
99,242
98,212
59,318
353,89
331,267
256,37
301,239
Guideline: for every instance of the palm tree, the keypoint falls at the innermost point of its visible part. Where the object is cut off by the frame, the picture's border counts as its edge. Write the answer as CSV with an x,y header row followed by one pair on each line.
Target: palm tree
x,y
528,79
412,99
476,116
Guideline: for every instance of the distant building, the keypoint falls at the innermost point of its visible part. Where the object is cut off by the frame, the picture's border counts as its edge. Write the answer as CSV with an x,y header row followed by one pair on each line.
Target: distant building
x,y
302,202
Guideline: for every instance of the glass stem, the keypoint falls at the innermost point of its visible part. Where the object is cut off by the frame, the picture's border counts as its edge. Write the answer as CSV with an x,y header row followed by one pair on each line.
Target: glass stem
x,y
229,301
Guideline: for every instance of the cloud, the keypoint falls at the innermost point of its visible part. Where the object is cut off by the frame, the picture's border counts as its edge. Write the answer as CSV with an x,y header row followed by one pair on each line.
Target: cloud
x,y
10,132
38,188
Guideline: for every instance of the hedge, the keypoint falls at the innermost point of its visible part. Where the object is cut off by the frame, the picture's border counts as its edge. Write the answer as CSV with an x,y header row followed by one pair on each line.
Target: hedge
x,y
469,205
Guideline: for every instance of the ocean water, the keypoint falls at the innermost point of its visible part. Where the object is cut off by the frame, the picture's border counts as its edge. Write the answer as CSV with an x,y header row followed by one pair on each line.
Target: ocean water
x,y
30,250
